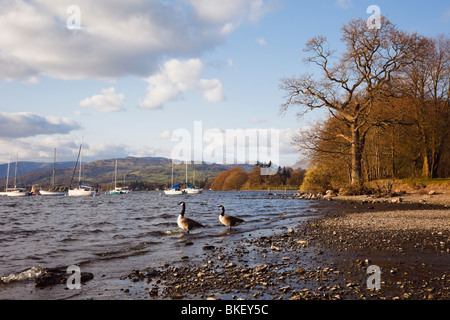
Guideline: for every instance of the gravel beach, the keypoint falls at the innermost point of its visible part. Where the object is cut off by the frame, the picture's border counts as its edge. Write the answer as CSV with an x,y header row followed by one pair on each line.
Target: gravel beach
x,y
325,258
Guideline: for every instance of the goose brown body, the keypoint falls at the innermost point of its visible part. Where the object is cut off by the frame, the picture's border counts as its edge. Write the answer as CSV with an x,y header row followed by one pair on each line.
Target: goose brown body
x,y
186,223
229,221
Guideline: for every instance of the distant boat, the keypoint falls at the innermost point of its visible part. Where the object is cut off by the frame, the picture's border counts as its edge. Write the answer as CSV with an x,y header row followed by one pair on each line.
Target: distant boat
x,y
191,189
52,191
7,179
115,190
175,190
82,190
16,191
118,190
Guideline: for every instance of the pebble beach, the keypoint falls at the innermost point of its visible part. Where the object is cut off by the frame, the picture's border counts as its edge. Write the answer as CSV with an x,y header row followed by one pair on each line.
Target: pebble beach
x,y
324,258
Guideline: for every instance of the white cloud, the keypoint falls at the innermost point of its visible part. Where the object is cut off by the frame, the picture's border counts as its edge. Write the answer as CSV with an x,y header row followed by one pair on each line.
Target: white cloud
x,y
258,9
25,124
166,134
345,4
107,101
219,11
257,121
262,42
176,77
117,38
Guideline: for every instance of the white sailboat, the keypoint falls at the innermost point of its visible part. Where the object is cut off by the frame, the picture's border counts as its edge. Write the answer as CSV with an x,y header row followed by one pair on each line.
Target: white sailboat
x,y
51,192
118,190
4,194
176,189
124,189
191,189
16,191
82,190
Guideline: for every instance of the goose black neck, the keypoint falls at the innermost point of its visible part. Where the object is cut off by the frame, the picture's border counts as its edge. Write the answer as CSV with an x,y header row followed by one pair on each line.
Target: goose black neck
x,y
183,210
223,211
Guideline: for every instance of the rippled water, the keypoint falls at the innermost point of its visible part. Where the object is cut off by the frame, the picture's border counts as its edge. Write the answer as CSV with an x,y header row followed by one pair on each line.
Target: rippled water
x,y
110,235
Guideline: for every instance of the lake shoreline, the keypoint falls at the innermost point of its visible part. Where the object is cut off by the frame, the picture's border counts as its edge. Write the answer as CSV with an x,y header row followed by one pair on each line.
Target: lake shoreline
x,y
323,258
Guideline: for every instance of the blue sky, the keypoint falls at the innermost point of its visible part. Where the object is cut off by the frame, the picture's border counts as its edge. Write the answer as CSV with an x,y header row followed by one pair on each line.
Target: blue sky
x,y
138,70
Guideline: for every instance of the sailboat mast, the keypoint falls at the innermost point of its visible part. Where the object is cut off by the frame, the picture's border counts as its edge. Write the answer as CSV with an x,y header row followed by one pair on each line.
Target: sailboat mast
x,y
172,172
15,172
54,164
115,176
81,161
7,173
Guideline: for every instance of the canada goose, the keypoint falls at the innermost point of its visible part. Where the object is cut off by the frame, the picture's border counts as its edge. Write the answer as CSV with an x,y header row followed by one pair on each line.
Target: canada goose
x,y
229,221
186,223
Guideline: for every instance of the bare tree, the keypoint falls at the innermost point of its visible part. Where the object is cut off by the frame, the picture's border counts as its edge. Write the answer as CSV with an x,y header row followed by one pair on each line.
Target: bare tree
x,y
351,85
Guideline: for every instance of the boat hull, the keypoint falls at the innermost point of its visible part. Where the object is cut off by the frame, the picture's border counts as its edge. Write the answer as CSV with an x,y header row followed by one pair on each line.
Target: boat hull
x,y
51,193
174,192
81,193
17,194
193,191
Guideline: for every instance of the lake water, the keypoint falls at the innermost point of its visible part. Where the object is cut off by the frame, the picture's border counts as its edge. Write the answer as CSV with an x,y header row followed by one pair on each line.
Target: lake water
x,y
110,235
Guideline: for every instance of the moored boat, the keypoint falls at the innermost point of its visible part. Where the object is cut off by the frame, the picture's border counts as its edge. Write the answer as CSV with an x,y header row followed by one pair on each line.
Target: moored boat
x,y
175,190
53,190
82,190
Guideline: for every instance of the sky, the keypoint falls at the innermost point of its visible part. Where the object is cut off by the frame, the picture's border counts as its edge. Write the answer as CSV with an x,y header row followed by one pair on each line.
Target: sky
x,y
125,76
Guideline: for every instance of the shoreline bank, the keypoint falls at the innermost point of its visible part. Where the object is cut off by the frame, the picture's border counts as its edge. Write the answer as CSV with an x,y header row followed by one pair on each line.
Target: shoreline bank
x,y
324,258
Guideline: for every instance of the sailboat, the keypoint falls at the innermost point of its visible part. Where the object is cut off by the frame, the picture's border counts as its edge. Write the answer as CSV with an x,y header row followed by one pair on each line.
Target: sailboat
x,y
191,189
176,189
16,191
116,189
7,179
52,191
82,190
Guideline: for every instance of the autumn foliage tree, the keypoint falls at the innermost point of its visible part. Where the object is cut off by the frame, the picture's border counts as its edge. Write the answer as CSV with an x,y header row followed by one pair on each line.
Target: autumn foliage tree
x,y
229,180
351,85
414,143
426,83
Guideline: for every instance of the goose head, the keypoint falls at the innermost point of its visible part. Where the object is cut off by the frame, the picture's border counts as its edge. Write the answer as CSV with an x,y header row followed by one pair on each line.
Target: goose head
x,y
184,208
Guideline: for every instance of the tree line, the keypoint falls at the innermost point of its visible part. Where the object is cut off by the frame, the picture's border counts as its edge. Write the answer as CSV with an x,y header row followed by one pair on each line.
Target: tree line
x,y
237,179
387,97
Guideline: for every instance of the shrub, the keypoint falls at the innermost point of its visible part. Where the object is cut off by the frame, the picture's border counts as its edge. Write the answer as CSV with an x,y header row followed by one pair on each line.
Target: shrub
x,y
317,180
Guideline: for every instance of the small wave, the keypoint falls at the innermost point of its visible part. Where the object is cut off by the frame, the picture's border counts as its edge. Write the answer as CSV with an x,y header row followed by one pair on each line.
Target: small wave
x,y
166,232
34,272
164,224
138,247
69,239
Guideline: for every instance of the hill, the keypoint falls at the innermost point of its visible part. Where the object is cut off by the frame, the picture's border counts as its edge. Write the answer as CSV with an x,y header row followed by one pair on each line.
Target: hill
x,y
24,167
100,173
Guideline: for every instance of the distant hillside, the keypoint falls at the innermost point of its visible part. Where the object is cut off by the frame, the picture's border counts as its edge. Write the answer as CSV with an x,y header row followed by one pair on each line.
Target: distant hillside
x,y
101,172
24,167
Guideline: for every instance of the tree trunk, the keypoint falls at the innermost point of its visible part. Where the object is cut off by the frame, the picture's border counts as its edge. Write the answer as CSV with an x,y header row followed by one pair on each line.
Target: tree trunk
x,y
357,151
